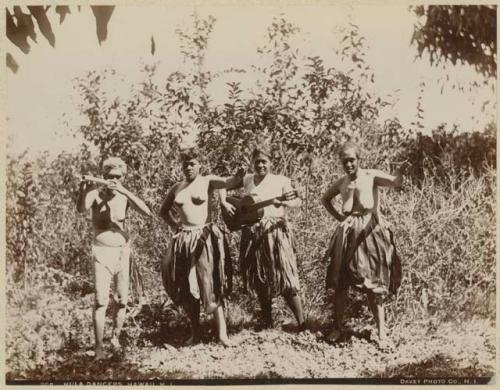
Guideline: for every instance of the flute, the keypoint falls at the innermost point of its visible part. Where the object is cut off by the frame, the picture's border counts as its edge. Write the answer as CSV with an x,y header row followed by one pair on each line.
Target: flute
x,y
94,179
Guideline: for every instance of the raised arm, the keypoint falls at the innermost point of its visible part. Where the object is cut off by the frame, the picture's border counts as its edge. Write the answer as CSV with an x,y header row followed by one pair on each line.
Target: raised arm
x,y
86,196
383,179
166,207
139,204
231,182
134,200
288,190
326,200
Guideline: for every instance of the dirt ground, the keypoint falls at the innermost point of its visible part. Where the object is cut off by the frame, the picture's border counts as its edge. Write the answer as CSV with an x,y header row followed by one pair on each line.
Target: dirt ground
x,y
153,349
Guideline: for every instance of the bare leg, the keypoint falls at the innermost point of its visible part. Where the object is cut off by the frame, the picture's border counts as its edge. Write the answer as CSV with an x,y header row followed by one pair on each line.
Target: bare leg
x,y
340,301
266,306
122,285
102,281
221,326
295,304
377,309
192,307
98,317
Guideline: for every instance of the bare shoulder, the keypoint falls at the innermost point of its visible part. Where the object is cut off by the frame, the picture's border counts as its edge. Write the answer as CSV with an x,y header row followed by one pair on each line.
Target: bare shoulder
x,y
93,192
282,178
340,182
378,172
371,172
247,177
337,185
206,180
93,195
174,188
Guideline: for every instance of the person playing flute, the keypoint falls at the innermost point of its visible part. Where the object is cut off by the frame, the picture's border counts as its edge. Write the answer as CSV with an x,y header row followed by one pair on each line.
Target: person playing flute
x,y
111,243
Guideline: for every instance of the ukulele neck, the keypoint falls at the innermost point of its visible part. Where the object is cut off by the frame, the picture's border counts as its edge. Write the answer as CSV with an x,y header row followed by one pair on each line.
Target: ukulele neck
x,y
264,203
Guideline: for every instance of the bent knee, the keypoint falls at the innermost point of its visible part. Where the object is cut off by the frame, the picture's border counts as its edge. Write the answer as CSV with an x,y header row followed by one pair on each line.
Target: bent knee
x,y
101,300
290,293
121,300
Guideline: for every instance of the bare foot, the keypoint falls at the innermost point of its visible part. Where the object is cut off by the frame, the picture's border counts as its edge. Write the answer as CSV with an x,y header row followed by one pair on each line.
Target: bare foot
x,y
99,354
226,342
115,343
192,340
263,325
384,344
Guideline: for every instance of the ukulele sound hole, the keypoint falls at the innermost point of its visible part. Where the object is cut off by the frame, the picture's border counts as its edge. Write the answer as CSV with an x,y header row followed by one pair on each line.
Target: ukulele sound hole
x,y
197,201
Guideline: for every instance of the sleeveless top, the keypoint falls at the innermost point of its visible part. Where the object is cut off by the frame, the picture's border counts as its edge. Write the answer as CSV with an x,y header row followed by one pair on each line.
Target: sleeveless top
x,y
271,186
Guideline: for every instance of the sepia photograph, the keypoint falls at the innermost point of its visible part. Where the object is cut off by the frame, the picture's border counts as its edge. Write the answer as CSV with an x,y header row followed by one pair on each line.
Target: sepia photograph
x,y
250,193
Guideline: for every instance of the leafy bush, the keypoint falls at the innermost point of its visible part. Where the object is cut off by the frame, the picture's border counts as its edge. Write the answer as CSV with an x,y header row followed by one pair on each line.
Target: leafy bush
x,y
443,218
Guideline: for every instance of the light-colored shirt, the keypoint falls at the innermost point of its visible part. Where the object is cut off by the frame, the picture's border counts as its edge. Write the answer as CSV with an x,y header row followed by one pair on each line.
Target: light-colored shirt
x,y
271,186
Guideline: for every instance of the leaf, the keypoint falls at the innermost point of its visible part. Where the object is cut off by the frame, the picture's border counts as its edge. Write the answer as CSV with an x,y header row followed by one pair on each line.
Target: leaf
x,y
11,63
25,22
16,35
40,14
102,14
62,10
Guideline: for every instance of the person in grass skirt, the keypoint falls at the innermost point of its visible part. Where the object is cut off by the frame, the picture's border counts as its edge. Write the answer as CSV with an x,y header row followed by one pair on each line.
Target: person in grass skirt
x,y
361,252
193,270
267,257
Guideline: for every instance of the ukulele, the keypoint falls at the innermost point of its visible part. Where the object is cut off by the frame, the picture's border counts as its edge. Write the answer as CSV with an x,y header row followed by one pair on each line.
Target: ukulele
x,y
249,209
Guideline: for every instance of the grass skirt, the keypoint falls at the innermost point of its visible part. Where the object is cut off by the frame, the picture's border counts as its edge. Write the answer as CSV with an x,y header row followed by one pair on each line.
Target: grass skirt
x,y
197,263
362,254
267,258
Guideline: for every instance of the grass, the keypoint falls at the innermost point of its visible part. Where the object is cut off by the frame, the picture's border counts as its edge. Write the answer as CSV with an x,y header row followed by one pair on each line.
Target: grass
x,y
442,318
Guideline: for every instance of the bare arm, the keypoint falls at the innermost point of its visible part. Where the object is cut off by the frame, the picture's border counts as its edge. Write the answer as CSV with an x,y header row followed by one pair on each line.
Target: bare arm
x,y
383,179
166,207
227,206
135,201
295,201
326,200
86,196
232,182
222,195
139,204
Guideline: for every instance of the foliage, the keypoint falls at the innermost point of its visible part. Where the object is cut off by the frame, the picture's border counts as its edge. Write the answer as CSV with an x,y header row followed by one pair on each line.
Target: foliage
x,y
451,156
301,108
443,219
20,26
44,318
21,220
453,33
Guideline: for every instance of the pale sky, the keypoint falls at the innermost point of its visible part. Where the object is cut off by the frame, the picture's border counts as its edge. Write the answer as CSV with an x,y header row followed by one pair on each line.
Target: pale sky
x,y
42,103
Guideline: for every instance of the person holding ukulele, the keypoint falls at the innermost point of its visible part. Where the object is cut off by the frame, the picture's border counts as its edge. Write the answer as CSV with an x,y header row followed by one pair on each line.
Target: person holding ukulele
x,y
267,258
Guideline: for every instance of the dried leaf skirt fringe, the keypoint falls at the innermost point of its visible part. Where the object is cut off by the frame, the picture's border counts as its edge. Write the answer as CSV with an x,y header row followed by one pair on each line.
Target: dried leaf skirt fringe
x,y
197,263
362,254
268,259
